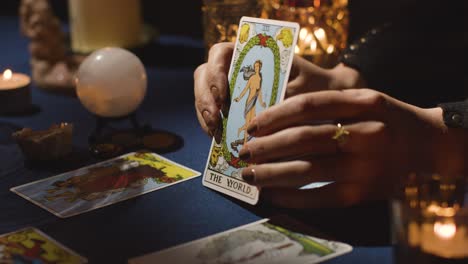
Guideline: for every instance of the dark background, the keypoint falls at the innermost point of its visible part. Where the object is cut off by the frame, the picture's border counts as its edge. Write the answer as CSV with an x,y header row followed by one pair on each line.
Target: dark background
x,y
185,18
170,17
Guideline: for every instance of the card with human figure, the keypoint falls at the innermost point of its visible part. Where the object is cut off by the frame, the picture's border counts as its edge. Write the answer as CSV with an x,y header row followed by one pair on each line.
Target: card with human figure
x,y
261,242
30,245
104,183
257,77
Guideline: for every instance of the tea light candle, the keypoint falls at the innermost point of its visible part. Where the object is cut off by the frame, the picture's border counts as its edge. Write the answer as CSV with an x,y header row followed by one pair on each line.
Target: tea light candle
x,y
10,80
15,94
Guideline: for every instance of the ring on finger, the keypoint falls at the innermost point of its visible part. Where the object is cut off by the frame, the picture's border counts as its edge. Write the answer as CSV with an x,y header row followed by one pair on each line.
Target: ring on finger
x,y
341,134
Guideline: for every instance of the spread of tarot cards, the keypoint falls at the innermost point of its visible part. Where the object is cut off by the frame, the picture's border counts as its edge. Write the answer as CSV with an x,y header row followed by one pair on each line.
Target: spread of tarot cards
x,y
255,243
104,183
257,77
29,245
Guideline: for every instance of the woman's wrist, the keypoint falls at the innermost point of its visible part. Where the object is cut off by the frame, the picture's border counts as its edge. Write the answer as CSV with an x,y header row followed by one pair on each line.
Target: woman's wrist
x,y
344,77
449,145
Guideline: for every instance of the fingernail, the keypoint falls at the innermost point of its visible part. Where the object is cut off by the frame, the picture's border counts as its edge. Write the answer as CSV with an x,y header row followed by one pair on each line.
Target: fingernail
x,y
214,89
206,114
244,153
248,175
252,128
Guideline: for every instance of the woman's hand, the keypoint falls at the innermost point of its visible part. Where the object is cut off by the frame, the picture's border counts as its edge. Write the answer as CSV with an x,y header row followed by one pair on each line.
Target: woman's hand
x,y
387,139
211,86
211,82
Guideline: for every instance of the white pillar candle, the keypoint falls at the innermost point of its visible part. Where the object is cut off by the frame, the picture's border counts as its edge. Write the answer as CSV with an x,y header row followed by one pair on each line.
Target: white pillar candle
x,y
95,24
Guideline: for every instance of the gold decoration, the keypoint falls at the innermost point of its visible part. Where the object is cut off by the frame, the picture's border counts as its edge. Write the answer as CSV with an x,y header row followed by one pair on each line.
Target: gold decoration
x,y
324,26
221,19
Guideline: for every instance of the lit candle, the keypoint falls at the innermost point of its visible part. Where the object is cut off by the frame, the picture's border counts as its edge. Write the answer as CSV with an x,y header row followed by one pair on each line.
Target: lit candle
x,y
443,238
96,24
321,37
10,80
14,92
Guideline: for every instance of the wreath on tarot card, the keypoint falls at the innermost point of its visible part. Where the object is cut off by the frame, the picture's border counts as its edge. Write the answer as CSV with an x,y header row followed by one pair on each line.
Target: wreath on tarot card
x,y
266,42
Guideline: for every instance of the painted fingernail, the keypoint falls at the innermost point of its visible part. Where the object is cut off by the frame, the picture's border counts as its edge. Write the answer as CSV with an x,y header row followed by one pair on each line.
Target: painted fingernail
x,y
248,175
252,128
244,154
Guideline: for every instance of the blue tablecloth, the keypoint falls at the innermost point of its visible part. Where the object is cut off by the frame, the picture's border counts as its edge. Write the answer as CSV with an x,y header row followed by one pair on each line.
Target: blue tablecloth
x,y
167,217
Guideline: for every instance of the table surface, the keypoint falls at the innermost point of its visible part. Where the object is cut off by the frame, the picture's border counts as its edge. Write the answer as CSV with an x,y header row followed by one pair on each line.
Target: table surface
x,y
170,216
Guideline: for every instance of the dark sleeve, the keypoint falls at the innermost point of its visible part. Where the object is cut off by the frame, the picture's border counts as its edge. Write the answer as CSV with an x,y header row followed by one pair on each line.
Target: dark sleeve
x,y
455,114
418,55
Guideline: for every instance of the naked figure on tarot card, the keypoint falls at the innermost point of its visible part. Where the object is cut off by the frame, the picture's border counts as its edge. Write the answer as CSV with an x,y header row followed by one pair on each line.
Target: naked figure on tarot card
x,y
253,76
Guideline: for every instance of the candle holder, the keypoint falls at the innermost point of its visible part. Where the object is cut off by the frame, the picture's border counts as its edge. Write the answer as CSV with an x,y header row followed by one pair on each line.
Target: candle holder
x,y
107,141
45,145
430,219
324,27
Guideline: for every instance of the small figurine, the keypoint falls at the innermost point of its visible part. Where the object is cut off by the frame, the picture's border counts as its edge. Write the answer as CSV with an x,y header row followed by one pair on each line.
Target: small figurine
x,y
52,67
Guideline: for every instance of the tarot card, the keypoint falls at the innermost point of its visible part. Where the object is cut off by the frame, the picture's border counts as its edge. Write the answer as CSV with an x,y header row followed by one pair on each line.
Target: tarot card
x,y
104,183
255,243
258,76
30,245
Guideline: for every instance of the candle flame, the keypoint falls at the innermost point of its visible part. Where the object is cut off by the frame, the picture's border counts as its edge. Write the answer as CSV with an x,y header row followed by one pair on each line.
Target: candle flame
x,y
297,50
313,45
320,34
7,74
445,230
330,49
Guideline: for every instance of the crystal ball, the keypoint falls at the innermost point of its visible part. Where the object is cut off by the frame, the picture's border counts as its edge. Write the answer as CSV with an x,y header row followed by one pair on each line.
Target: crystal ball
x,y
111,82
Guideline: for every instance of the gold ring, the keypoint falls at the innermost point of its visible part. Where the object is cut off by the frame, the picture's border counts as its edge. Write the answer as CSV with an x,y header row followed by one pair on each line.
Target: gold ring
x,y
341,134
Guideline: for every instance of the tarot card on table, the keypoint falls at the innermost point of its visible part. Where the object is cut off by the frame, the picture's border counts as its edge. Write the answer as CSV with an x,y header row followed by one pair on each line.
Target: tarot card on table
x,y
104,183
255,243
30,245
258,76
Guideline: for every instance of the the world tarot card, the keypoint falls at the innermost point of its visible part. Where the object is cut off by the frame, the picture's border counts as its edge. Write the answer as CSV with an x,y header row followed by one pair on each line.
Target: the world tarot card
x,y
258,76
